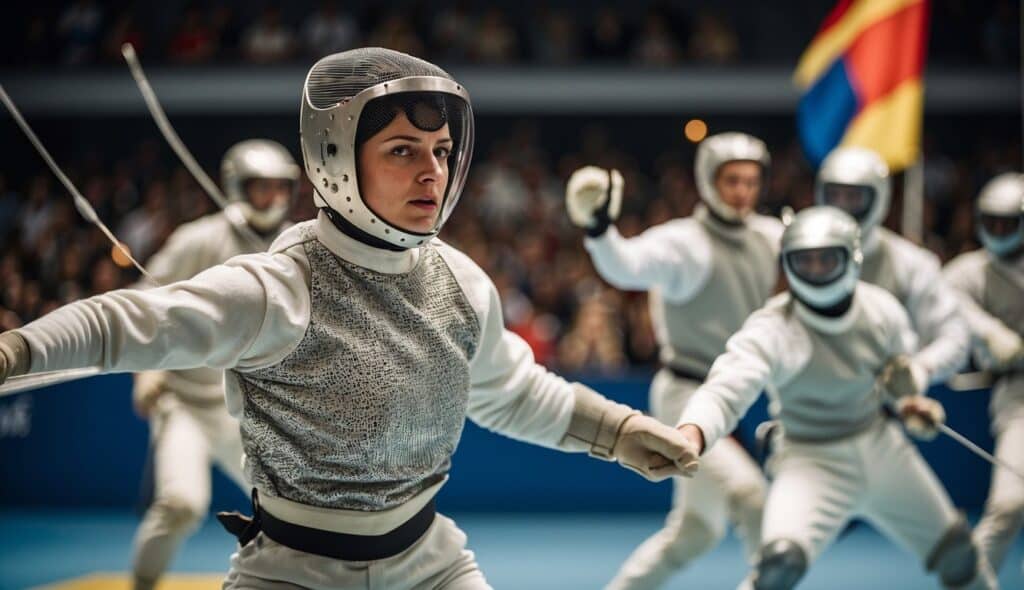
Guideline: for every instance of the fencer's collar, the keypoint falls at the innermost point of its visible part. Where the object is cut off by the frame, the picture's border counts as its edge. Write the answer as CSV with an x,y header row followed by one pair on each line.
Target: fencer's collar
x,y
825,324
236,216
728,230
356,252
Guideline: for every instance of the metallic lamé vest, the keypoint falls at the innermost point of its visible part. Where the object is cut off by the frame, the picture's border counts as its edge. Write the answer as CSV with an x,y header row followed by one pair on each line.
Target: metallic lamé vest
x,y
367,410
744,270
834,395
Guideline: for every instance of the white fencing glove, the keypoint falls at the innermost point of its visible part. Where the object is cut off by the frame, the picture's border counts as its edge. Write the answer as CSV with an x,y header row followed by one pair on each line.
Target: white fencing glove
x,y
903,377
921,416
593,198
612,431
654,450
15,358
149,386
1005,347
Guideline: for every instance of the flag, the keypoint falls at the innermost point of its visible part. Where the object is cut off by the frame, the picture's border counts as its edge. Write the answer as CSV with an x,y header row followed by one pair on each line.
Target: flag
x,y
861,78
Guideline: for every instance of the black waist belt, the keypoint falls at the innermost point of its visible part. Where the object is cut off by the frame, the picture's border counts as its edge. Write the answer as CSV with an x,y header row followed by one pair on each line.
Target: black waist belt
x,y
687,374
328,543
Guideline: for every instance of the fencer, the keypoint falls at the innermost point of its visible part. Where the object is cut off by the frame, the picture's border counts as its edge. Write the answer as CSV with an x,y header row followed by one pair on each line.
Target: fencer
x,y
857,180
990,285
190,427
356,347
705,274
832,351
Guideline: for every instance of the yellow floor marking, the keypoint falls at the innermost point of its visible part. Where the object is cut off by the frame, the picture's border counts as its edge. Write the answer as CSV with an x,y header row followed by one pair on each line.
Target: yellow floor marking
x,y
116,581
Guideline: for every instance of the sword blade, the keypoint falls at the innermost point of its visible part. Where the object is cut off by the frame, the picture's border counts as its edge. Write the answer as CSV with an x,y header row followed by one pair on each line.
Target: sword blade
x,y
37,380
969,444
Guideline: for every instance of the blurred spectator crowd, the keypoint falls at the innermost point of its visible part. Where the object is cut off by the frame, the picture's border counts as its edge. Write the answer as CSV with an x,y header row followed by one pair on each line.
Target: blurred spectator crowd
x,y
643,32
511,221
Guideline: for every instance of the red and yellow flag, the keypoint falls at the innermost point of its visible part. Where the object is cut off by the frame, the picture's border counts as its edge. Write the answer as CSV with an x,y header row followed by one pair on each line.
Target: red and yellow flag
x,y
862,80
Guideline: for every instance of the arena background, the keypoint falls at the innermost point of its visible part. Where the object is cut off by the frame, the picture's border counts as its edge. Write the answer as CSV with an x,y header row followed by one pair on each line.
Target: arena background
x,y
555,85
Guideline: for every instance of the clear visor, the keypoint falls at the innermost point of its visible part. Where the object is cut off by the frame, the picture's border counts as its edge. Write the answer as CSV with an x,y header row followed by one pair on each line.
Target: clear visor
x,y
818,266
854,199
441,125
999,225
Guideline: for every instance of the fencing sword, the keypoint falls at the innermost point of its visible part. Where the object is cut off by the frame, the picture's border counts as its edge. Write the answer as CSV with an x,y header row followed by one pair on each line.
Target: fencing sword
x,y
32,381
83,206
35,381
233,215
945,429
974,448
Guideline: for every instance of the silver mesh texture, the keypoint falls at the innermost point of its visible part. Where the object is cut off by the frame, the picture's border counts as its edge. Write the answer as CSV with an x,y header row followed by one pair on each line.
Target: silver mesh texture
x,y
366,412
341,76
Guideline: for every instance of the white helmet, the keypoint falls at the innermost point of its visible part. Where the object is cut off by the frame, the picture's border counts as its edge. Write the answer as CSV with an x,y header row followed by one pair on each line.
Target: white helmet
x,y
258,158
821,255
338,91
856,180
720,149
1001,214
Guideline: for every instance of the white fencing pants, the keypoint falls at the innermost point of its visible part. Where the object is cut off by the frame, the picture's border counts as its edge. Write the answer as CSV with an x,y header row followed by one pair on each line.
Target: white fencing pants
x,y
439,560
1004,509
729,486
186,441
878,475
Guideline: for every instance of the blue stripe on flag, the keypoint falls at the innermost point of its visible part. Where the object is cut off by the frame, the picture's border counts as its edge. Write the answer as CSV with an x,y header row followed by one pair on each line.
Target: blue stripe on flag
x,y
825,111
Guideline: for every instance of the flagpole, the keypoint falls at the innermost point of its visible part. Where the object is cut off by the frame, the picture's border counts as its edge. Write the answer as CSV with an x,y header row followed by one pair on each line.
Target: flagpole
x,y
912,222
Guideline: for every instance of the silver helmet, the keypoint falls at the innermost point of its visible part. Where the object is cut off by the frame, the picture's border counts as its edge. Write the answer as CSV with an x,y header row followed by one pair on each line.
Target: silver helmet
x,y
338,91
258,158
821,255
856,180
720,149
1001,214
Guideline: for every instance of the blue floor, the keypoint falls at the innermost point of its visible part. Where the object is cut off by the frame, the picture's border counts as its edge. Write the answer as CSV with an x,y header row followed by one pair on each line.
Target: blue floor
x,y
532,551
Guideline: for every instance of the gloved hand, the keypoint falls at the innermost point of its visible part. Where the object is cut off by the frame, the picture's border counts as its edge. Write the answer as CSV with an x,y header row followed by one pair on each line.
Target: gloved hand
x,y
921,415
903,377
654,450
593,198
149,386
1006,348
14,355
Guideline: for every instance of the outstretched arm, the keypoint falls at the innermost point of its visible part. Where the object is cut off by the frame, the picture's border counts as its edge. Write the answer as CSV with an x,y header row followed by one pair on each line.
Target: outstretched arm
x,y
944,337
245,313
511,394
737,378
672,257
1002,346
